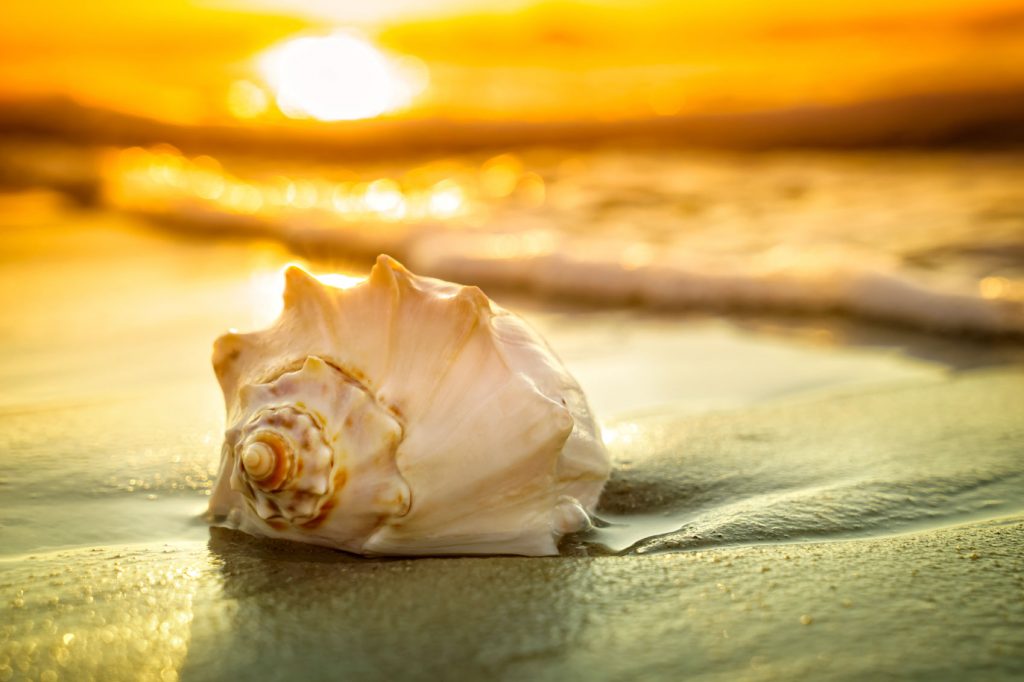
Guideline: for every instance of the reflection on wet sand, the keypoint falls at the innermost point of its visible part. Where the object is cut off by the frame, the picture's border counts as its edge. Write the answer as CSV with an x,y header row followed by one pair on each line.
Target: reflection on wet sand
x,y
320,612
101,614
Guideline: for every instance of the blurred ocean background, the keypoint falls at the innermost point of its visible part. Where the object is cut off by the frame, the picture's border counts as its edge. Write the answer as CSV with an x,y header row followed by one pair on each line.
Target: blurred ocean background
x,y
933,239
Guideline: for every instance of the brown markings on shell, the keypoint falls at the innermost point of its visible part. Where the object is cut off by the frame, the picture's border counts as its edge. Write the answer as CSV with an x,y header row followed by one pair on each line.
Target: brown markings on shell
x,y
363,382
226,351
340,478
352,373
322,515
388,454
397,500
359,378
283,418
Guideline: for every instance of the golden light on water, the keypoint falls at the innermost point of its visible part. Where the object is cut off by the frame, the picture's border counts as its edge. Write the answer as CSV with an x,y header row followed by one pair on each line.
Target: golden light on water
x,y
161,180
384,196
499,175
1001,288
336,77
446,199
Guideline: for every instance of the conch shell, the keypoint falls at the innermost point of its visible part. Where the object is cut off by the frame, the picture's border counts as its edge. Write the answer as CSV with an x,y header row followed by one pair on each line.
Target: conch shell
x,y
404,415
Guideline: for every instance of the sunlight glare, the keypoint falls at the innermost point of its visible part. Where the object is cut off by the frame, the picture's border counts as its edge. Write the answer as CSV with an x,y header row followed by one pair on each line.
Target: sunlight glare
x,y
340,281
338,77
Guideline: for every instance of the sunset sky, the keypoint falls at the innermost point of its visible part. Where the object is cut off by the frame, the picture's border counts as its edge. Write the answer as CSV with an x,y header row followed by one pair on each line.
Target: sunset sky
x,y
207,62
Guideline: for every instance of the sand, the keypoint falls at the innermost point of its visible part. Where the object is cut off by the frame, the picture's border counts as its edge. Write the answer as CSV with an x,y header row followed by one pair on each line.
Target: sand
x,y
940,604
792,498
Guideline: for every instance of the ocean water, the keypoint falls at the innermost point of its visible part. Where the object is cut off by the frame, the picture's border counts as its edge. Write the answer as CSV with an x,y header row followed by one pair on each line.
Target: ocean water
x,y
800,487
932,240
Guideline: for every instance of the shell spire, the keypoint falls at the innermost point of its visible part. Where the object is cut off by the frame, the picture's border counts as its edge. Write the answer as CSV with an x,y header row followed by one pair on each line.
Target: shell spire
x,y
404,415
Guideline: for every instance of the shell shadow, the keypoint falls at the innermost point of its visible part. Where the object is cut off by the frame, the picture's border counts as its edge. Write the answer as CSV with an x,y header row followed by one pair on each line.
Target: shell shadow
x,y
233,547
291,611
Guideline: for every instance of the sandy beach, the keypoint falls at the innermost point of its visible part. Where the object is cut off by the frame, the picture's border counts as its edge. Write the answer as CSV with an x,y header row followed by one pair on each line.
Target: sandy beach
x,y
793,497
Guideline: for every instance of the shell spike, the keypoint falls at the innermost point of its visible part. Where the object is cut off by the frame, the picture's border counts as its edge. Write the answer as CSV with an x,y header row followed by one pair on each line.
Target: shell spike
x,y
386,273
315,364
299,287
476,297
386,261
229,354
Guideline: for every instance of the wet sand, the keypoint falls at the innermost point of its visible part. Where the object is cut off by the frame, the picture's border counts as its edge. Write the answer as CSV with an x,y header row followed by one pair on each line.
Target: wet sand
x,y
941,604
791,497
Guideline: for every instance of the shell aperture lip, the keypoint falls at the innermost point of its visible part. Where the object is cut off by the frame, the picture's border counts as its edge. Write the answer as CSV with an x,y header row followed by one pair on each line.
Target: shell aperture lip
x,y
403,415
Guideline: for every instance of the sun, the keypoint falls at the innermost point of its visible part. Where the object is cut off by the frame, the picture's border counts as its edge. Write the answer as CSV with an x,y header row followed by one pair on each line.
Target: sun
x,y
338,77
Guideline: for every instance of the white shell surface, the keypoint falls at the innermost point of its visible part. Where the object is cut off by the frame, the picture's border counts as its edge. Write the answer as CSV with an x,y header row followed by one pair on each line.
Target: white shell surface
x,y
404,415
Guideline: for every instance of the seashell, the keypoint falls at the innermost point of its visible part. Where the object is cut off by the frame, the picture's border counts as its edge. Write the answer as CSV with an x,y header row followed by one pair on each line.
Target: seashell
x,y
404,415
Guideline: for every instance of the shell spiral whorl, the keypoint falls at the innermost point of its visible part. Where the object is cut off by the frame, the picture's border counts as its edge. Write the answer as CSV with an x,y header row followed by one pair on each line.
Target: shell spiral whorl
x,y
259,459
296,443
283,464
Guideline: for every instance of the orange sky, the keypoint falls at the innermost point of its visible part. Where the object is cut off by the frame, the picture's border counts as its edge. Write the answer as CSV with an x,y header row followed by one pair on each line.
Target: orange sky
x,y
176,60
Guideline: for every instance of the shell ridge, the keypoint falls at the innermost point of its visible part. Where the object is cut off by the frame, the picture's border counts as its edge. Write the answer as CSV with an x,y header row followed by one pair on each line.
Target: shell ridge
x,y
395,304
462,342
483,313
471,331
509,492
411,296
